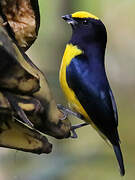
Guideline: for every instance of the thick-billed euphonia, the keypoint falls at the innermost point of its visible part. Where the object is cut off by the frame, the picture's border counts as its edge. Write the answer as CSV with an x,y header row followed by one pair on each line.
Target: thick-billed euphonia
x,y
84,81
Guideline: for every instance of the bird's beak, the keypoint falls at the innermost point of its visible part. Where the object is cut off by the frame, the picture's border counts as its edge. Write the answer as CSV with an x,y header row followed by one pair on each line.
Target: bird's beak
x,y
68,18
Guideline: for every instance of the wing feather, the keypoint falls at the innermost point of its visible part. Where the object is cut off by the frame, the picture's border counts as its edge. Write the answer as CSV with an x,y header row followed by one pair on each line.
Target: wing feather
x,y
95,95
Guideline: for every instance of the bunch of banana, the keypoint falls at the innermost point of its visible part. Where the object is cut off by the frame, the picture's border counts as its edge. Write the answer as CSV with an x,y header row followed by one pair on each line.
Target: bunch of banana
x,y
27,108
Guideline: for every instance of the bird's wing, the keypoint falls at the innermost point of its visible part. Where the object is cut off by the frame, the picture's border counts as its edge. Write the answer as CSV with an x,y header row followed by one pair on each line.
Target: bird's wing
x,y
95,96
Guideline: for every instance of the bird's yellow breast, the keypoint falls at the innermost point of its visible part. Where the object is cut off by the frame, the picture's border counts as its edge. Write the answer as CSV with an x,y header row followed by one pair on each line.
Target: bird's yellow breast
x,y
70,52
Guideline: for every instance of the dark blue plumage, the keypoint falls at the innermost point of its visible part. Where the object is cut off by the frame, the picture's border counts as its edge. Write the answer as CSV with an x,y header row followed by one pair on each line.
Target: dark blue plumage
x,y
88,81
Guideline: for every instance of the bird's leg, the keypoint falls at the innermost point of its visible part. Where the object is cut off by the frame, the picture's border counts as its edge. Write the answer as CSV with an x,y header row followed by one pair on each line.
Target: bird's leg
x,y
14,104
67,112
74,127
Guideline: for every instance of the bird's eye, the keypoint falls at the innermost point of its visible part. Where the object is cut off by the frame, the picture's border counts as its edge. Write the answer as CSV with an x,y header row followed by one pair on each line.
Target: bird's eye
x,y
85,22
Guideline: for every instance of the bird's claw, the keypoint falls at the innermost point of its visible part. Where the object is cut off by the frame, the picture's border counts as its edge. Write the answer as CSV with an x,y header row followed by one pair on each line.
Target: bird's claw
x,y
77,126
74,134
67,112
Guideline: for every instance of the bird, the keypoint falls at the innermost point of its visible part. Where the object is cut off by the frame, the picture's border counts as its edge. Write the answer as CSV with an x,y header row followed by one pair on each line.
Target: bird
x,y
84,81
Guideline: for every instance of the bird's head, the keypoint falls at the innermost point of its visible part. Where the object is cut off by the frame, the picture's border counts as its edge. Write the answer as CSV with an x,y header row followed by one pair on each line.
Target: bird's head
x,y
87,28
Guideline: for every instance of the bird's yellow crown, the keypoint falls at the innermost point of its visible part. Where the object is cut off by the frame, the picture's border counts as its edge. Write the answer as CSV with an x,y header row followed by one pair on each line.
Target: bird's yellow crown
x,y
83,14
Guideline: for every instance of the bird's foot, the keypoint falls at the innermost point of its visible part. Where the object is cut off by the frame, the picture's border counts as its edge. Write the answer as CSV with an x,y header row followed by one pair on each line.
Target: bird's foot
x,y
74,127
68,111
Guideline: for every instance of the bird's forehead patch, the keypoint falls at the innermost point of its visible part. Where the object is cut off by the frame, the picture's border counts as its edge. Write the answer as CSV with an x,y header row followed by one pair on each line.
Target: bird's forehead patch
x,y
83,14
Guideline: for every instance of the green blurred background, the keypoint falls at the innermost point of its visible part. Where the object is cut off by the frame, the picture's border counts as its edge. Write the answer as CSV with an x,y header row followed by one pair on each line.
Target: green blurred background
x,y
87,157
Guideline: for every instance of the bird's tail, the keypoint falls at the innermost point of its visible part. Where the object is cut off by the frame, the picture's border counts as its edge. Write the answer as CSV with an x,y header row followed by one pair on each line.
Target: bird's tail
x,y
119,157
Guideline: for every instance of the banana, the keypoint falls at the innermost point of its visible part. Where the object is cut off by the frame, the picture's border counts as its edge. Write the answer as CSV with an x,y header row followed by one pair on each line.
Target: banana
x,y
28,110
21,20
13,76
16,135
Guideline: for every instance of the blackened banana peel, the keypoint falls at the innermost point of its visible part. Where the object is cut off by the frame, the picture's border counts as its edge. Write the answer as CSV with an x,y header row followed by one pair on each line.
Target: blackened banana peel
x,y
13,74
23,86
16,135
